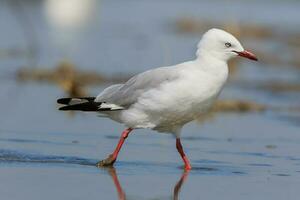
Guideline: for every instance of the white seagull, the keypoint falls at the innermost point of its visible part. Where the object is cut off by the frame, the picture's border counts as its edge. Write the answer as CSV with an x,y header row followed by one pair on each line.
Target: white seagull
x,y
166,98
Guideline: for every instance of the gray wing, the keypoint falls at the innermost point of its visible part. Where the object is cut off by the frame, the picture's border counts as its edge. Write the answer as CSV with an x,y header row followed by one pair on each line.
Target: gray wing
x,y
128,93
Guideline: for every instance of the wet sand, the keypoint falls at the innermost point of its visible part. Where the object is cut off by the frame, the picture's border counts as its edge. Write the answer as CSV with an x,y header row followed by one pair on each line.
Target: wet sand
x,y
47,154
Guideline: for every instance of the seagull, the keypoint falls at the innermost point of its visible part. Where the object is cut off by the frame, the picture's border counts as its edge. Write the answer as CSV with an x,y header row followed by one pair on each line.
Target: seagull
x,y
165,99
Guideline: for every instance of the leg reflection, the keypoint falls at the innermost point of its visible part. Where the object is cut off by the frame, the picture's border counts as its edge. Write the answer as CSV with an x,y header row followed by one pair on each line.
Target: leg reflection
x,y
114,176
179,185
121,194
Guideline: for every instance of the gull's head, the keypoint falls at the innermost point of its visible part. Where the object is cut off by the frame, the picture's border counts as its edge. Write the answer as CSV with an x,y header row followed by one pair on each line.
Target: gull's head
x,y
221,45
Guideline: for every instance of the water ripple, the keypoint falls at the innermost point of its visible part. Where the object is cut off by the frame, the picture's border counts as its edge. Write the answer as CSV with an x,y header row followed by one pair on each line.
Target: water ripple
x,y
9,156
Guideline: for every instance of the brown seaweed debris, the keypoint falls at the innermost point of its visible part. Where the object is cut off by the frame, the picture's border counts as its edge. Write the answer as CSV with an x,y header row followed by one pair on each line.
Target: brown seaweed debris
x,y
275,86
293,40
66,71
191,25
279,60
66,76
232,106
72,88
238,106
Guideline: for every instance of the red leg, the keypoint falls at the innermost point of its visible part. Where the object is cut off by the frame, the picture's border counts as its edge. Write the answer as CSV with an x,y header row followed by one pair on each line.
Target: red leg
x,y
187,165
121,142
113,157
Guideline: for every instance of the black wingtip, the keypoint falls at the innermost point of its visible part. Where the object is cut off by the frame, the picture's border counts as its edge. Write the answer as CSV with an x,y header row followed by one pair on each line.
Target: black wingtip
x,y
87,106
64,108
64,101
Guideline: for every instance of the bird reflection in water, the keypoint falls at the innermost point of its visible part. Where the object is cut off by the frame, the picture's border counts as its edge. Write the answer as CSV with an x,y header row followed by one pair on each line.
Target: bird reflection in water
x,y
122,195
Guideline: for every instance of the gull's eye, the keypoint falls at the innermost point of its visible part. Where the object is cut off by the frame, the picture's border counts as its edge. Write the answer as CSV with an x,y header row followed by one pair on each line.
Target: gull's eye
x,y
227,44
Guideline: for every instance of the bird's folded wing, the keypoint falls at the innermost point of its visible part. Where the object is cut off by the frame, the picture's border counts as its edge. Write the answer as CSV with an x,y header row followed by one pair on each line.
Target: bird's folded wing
x,y
126,94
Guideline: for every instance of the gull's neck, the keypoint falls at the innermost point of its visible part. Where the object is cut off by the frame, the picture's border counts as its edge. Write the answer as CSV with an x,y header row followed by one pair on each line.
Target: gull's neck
x,y
214,67
210,62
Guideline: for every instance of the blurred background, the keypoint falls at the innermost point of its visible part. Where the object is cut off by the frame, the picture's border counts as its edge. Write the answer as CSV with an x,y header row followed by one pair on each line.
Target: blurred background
x,y
59,48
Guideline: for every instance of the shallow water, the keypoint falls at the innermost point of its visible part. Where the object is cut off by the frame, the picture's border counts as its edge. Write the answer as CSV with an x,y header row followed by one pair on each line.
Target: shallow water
x,y
46,154
52,155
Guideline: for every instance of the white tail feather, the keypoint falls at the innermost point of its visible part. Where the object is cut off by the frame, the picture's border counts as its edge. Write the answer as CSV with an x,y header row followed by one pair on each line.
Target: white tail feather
x,y
110,106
